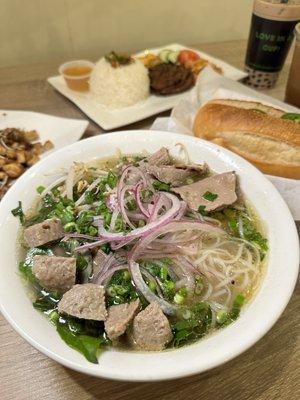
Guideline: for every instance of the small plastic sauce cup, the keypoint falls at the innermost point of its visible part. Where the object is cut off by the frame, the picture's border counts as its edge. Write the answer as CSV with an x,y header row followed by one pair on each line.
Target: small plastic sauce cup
x,y
77,74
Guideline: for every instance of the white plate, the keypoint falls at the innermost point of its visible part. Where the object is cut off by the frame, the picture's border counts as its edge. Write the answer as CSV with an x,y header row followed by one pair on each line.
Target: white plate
x,y
111,119
256,319
61,131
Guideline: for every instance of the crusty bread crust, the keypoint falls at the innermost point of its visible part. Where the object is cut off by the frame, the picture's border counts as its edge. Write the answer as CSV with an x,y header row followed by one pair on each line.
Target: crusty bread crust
x,y
286,171
214,117
266,140
250,105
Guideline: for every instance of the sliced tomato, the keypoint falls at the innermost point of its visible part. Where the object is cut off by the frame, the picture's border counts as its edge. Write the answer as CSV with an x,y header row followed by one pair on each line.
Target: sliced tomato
x,y
187,55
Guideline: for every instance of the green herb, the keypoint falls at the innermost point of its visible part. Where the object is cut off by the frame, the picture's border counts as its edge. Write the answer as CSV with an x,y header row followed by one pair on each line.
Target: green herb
x,y
117,59
131,205
81,262
152,286
193,323
224,318
87,345
237,305
161,186
40,189
292,117
209,196
231,218
120,289
233,226
180,296
163,273
88,197
201,210
253,236
168,288
112,179
18,212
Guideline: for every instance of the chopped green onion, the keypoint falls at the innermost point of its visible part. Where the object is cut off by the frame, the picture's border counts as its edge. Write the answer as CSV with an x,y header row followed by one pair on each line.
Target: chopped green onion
x,y
163,273
209,196
236,306
40,189
71,227
152,286
18,212
292,117
126,276
161,186
222,317
180,296
201,210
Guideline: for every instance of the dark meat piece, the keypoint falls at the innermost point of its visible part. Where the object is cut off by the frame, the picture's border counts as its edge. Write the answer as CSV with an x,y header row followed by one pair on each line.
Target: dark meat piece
x,y
151,329
160,157
84,301
168,79
44,232
119,317
55,273
221,185
173,175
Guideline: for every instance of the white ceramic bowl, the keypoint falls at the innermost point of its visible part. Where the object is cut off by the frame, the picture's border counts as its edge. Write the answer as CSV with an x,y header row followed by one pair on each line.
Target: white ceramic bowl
x,y
256,319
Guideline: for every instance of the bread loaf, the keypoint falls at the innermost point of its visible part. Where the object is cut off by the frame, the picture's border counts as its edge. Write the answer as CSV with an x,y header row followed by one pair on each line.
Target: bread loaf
x,y
254,131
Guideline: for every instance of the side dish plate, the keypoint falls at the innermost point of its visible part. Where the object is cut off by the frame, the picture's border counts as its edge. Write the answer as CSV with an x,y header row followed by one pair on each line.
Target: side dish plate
x,y
112,119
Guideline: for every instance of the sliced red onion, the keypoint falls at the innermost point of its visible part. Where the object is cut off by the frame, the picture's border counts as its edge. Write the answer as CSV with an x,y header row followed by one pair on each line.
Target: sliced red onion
x,y
175,226
121,203
161,202
118,245
153,279
126,171
88,246
111,201
104,279
183,261
182,211
149,228
136,216
113,219
110,262
143,288
139,201
79,236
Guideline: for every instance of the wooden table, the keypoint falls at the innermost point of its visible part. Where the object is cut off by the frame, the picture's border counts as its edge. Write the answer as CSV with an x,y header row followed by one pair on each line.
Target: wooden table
x,y
269,370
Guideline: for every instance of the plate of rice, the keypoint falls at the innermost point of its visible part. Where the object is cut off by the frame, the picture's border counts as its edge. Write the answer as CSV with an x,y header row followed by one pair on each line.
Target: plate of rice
x,y
120,87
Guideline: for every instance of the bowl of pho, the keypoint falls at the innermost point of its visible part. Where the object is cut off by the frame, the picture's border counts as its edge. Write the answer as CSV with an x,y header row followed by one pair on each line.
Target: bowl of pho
x,y
145,249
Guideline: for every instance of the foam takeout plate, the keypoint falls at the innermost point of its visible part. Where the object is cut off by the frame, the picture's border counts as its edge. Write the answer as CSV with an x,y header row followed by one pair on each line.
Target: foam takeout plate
x,y
257,317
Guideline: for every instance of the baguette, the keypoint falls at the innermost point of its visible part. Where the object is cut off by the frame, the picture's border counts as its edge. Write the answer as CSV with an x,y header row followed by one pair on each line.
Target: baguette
x,y
254,131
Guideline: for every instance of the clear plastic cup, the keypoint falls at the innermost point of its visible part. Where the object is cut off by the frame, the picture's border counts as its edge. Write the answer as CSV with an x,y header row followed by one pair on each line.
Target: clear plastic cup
x,y
77,74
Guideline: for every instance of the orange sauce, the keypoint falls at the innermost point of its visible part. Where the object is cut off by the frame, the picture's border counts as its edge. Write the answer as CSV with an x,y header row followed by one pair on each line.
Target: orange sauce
x,y
77,71
77,77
